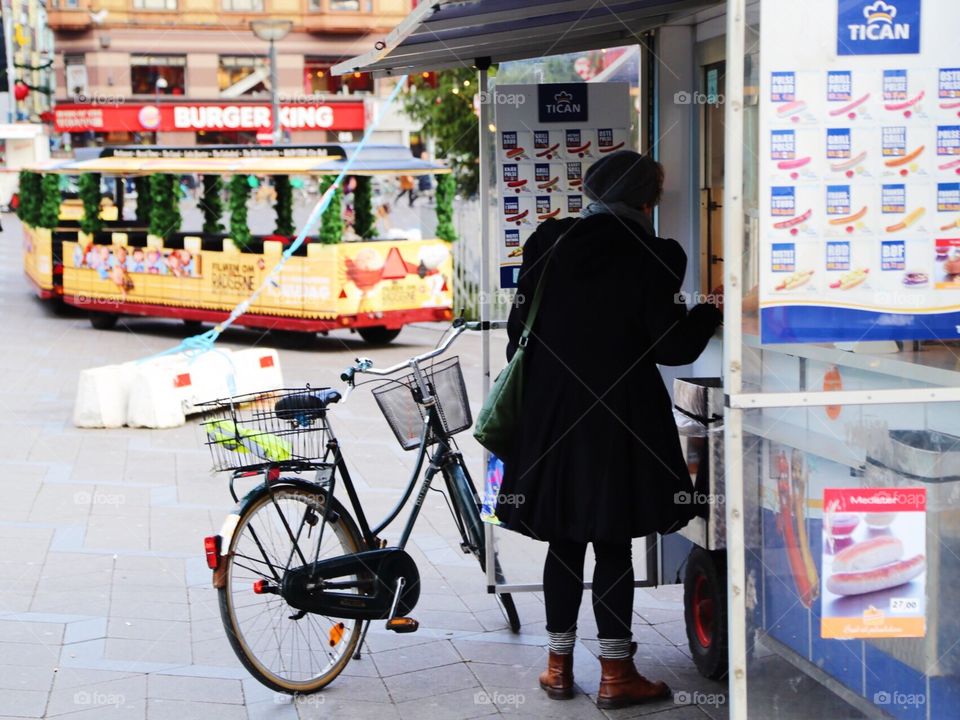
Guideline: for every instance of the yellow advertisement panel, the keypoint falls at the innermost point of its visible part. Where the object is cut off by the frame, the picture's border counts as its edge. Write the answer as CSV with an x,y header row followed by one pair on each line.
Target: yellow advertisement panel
x,y
394,275
38,256
332,280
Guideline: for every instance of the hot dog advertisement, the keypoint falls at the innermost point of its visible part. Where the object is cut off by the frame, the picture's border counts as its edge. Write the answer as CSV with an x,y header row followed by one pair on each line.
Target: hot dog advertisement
x,y
874,563
546,141
859,157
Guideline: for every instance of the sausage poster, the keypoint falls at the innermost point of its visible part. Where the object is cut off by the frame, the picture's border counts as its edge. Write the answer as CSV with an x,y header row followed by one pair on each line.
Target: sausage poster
x,y
547,137
859,171
874,563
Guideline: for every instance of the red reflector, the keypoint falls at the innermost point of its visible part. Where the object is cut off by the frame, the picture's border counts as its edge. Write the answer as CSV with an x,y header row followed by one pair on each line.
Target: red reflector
x,y
258,586
273,474
266,361
211,547
181,380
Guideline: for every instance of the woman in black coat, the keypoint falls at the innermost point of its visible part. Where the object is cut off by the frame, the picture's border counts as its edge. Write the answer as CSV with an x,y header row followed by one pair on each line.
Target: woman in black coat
x,y
597,458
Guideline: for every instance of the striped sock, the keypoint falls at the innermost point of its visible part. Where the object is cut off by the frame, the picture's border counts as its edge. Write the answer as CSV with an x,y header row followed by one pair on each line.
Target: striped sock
x,y
615,648
561,643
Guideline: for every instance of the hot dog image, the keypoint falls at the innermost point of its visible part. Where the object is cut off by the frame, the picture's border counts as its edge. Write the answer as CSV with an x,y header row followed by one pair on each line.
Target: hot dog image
x,y
905,104
850,106
517,185
950,226
868,554
580,151
790,520
549,184
949,165
950,105
551,214
801,277
791,108
849,164
910,279
876,578
793,164
909,157
849,218
549,152
517,153
611,148
907,221
851,279
794,221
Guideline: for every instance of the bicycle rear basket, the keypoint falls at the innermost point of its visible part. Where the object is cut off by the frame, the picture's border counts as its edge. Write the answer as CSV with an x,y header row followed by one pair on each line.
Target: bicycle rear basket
x,y
247,433
398,400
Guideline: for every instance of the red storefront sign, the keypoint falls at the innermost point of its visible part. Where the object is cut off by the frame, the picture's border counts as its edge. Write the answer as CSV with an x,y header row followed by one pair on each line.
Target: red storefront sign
x,y
214,117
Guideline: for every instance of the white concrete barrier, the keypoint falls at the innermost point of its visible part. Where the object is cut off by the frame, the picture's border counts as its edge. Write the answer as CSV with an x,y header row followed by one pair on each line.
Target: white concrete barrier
x,y
162,392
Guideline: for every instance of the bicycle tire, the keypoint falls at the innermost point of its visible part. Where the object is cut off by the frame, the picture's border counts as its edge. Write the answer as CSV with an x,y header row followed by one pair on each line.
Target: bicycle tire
x,y
468,508
235,635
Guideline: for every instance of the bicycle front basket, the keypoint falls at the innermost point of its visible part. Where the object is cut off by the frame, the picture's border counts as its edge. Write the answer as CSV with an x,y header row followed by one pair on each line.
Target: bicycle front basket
x,y
399,403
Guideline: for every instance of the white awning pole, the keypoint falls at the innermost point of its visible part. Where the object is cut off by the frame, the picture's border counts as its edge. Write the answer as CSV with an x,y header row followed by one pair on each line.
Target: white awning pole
x,y
732,342
485,300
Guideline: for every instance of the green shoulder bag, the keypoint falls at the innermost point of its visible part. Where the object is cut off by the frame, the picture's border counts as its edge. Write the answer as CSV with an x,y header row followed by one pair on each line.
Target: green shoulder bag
x,y
499,418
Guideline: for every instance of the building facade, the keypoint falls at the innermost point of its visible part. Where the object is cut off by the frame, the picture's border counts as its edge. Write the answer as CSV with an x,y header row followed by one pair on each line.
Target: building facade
x,y
188,72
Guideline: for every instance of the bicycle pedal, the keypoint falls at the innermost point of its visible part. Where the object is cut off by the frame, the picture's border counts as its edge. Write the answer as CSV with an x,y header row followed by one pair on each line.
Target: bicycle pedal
x,y
403,625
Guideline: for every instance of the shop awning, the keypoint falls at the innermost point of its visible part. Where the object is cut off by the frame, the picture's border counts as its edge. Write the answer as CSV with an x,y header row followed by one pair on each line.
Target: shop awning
x,y
438,34
250,160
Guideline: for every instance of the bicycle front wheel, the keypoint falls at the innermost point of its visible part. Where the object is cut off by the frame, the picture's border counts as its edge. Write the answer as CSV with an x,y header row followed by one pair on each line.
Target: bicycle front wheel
x,y
285,649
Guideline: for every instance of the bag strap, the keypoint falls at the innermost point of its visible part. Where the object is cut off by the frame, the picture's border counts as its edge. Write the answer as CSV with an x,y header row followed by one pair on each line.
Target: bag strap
x,y
537,296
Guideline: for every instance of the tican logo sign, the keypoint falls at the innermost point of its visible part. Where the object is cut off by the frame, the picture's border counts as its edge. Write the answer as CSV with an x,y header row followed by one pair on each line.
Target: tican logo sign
x,y
878,28
562,102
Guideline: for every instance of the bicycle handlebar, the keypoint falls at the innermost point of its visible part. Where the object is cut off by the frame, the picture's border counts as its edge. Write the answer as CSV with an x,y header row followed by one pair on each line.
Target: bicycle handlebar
x,y
365,365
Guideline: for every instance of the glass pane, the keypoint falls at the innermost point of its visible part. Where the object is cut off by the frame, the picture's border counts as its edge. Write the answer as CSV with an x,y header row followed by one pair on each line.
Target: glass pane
x,y
853,556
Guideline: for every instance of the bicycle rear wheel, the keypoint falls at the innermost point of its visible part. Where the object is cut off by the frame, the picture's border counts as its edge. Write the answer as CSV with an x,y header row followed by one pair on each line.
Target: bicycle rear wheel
x,y
467,506
283,648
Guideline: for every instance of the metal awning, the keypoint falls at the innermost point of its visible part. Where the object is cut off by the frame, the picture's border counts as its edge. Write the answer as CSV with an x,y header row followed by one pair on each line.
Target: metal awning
x,y
453,33
372,159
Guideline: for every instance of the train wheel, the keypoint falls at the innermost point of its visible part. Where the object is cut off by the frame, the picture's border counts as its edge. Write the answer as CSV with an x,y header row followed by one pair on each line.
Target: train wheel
x,y
103,321
705,611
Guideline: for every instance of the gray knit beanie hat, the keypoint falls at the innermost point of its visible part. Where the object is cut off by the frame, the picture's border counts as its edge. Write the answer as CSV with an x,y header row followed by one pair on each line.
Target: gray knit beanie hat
x,y
624,176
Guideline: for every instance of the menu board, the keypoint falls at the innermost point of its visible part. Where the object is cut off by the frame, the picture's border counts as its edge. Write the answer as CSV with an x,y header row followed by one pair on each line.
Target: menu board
x,y
547,137
859,159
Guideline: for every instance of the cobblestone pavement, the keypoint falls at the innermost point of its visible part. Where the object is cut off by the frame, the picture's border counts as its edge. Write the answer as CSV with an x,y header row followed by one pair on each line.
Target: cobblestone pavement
x,y
106,606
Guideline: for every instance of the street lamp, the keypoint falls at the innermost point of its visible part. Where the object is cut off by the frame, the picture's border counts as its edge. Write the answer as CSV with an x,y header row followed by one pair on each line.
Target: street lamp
x,y
273,31
159,86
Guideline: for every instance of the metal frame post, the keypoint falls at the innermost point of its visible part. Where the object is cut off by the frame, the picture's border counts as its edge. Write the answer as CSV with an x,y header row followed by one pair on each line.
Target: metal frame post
x,y
732,357
483,66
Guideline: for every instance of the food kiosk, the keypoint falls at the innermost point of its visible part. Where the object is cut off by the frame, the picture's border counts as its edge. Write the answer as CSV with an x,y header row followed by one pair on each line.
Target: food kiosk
x,y
811,153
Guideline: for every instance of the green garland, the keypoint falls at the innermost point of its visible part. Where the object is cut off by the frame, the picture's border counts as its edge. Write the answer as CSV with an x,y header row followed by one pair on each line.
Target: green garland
x,y
283,205
239,229
89,191
212,205
144,198
364,223
30,197
331,228
49,214
446,189
165,216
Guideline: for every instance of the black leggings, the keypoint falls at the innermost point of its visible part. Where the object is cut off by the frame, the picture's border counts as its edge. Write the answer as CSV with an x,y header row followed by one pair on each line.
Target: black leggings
x,y
612,586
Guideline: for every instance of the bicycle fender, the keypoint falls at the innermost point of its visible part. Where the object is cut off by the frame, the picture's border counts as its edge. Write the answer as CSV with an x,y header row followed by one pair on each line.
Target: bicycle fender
x,y
232,520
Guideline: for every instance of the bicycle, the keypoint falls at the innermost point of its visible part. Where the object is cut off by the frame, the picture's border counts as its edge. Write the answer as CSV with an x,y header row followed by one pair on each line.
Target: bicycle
x,y
299,579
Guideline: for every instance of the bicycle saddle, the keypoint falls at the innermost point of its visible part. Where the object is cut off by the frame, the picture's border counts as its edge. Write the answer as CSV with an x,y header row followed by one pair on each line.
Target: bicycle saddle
x,y
306,406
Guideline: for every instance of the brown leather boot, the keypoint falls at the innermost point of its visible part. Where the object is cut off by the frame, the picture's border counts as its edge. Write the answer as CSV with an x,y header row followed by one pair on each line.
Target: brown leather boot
x,y
557,679
621,685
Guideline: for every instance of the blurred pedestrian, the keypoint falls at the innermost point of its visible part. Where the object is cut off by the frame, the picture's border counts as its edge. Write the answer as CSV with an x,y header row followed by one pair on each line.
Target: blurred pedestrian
x,y
407,188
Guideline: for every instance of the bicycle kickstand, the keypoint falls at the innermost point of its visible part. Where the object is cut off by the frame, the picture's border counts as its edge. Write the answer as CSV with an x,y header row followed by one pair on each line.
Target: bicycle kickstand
x,y
363,639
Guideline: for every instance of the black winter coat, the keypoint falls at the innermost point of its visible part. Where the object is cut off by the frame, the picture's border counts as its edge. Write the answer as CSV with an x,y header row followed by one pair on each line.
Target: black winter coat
x,y
598,455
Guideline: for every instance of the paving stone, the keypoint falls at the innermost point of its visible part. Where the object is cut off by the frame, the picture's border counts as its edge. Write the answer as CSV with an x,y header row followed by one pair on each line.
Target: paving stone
x,y
447,678
459,705
23,703
186,710
201,689
419,657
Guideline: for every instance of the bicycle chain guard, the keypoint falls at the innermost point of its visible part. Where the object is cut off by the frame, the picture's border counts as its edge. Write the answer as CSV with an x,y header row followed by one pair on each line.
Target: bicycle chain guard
x,y
377,570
